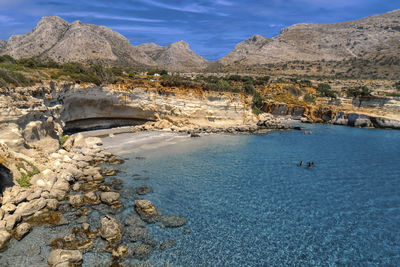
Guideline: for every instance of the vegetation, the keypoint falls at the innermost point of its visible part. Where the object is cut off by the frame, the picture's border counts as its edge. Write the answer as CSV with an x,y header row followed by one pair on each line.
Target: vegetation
x,y
309,98
324,90
26,174
358,91
63,139
257,103
397,85
161,72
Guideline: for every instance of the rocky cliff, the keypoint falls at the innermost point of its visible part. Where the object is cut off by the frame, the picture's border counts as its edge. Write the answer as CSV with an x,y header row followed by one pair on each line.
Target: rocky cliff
x,y
34,117
369,38
56,39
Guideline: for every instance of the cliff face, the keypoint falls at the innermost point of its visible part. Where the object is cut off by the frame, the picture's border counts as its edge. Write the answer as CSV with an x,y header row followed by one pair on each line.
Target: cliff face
x,y
38,114
368,38
56,39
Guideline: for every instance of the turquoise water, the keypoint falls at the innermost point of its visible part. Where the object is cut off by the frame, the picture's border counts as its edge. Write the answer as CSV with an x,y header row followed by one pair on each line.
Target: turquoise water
x,y
248,203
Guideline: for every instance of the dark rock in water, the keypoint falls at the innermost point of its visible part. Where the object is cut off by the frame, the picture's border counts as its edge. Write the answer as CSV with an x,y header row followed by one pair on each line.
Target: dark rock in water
x,y
147,211
173,221
141,178
110,172
137,233
133,220
168,244
144,189
22,230
142,251
140,158
194,135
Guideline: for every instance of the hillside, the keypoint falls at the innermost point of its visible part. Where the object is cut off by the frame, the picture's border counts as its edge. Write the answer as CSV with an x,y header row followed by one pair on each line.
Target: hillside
x,y
374,39
56,39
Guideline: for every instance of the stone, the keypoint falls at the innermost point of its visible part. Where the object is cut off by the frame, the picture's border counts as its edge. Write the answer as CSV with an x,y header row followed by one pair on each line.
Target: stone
x,y
28,208
143,189
61,184
85,227
4,238
142,252
172,221
147,211
167,244
138,234
35,194
110,229
110,198
11,221
62,257
14,195
76,201
133,220
120,251
91,197
1,214
67,176
22,230
9,207
76,186
52,204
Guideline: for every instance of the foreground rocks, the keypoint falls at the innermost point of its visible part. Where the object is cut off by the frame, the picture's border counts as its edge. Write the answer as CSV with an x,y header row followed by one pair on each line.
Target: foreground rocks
x,y
147,211
61,257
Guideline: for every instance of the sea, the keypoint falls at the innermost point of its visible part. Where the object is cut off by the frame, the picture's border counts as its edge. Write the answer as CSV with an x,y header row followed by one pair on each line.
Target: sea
x,y
248,202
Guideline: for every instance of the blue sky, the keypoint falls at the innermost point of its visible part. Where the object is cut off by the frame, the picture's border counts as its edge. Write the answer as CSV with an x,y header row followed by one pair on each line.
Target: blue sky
x,y
211,27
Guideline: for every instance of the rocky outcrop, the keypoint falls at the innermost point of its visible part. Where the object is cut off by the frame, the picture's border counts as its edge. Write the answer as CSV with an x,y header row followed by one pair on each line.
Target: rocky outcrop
x,y
62,257
147,211
110,229
56,39
367,38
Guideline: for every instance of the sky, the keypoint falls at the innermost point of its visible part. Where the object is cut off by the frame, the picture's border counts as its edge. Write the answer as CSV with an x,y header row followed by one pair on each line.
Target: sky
x,y
211,27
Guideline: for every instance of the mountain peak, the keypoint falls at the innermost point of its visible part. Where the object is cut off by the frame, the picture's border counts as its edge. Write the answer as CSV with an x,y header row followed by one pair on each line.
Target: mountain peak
x,y
180,44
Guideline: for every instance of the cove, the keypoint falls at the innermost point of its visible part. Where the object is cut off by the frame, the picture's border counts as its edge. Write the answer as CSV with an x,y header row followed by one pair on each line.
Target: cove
x,y
248,203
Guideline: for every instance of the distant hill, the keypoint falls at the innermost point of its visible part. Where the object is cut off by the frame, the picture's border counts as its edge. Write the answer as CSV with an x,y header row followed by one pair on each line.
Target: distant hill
x,y
56,39
370,38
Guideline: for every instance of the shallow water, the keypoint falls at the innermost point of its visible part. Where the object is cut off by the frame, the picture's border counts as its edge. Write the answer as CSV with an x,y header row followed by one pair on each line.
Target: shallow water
x,y
249,204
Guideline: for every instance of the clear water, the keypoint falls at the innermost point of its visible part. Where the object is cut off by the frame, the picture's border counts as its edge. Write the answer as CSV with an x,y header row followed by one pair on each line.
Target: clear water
x,y
249,204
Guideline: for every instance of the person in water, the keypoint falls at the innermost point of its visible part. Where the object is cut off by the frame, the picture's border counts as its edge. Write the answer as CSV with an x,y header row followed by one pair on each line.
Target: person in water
x,y
301,163
309,165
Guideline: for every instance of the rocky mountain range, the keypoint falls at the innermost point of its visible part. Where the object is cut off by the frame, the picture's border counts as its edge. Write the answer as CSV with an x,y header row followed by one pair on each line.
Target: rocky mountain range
x,y
375,39
366,38
56,39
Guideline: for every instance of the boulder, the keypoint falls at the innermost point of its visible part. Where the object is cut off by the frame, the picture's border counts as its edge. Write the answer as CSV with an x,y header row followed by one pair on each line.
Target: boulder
x,y
91,197
9,207
29,208
76,201
61,184
110,198
14,195
120,251
110,229
172,221
147,211
143,189
22,230
142,251
62,257
11,221
4,238
52,204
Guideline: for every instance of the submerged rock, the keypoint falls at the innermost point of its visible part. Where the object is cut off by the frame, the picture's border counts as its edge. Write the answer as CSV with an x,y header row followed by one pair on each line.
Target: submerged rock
x,y
110,229
147,211
173,221
62,257
168,244
22,230
110,198
142,252
120,251
143,189
76,201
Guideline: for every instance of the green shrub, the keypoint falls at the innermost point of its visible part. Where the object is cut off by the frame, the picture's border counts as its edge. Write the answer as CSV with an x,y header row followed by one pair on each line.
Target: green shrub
x,y
11,77
325,90
358,91
236,78
7,59
26,176
63,139
309,98
257,103
248,88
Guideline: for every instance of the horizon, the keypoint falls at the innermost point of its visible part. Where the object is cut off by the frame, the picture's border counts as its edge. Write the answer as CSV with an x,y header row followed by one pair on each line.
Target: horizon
x,y
166,22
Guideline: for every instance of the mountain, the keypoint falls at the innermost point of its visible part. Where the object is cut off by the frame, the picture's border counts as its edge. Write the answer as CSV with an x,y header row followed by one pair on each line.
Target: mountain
x,y
367,38
175,55
56,39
